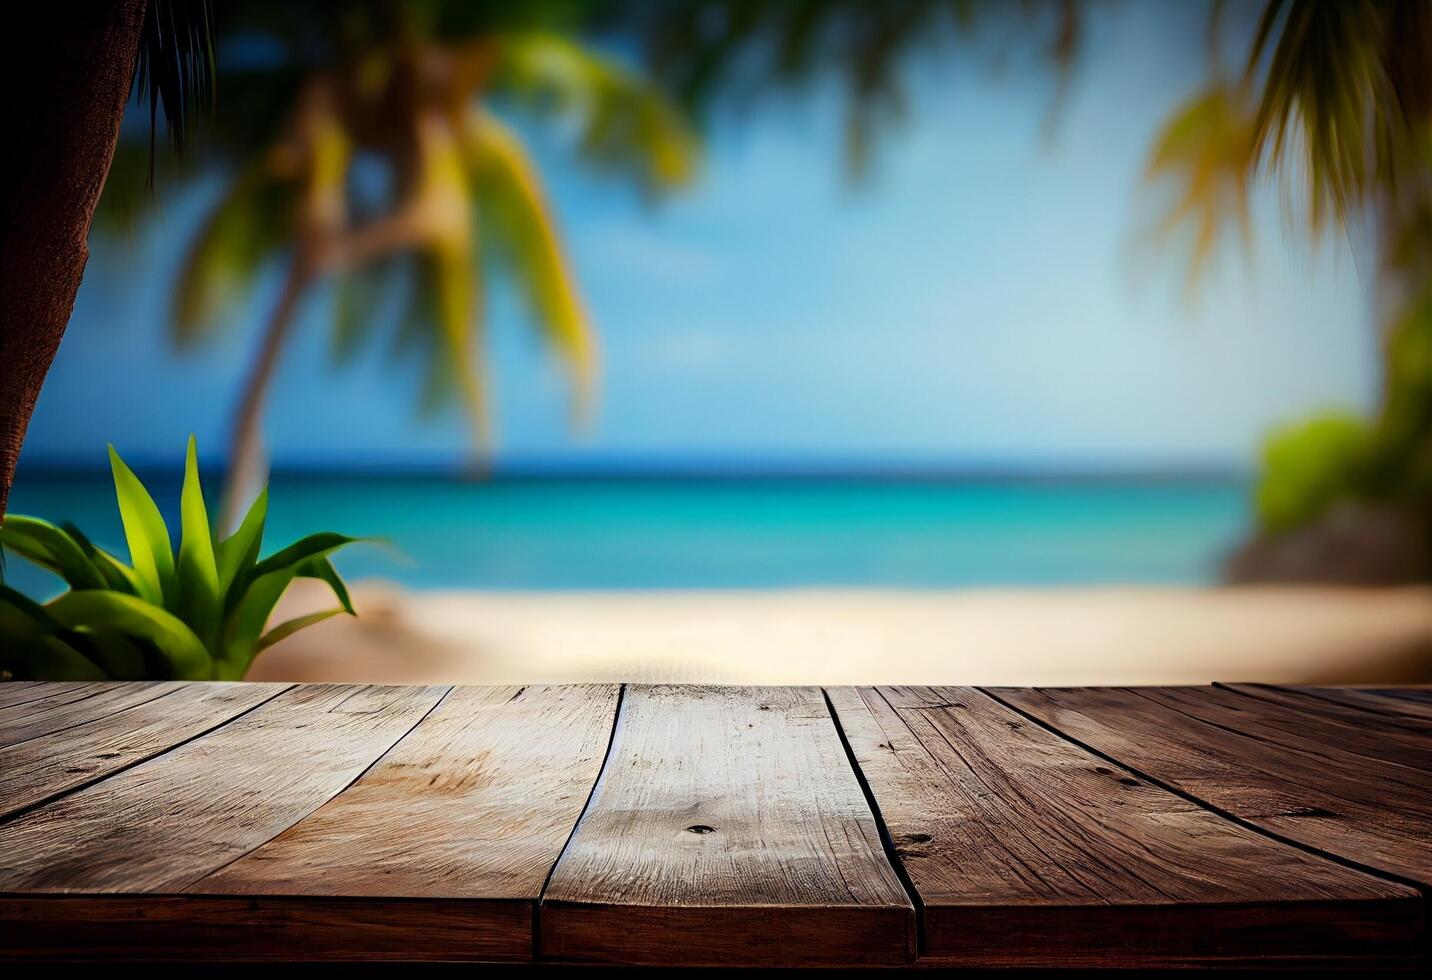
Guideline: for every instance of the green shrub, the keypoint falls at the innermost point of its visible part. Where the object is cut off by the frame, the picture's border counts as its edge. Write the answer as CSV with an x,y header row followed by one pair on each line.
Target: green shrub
x,y
1310,466
199,615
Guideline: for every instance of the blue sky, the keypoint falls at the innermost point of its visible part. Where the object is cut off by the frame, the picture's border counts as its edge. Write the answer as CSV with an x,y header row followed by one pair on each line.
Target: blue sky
x,y
983,299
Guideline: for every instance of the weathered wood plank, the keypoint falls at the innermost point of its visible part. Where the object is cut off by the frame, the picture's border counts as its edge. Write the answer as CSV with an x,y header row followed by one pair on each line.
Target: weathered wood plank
x,y
44,767
165,823
1300,727
1404,706
475,803
1419,693
23,692
727,828
1027,850
69,705
311,931
1376,814
1361,710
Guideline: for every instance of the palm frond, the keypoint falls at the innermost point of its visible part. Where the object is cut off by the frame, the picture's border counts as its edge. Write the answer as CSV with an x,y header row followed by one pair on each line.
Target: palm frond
x,y
625,122
1204,158
176,66
441,328
748,49
519,230
1326,98
360,301
247,225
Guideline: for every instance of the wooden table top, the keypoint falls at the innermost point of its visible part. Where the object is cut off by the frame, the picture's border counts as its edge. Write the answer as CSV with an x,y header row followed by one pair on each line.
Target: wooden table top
x,y
1230,825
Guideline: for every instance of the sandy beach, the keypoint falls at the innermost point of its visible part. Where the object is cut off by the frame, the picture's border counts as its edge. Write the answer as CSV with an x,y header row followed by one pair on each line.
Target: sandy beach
x,y
1018,637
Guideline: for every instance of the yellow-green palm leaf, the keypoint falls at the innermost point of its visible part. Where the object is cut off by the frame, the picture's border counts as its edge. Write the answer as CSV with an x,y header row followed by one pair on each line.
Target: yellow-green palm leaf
x,y
626,123
1204,158
247,225
518,228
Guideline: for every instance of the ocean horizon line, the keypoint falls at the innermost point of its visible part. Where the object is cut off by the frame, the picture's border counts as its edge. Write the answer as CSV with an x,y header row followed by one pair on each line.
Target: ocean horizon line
x,y
710,471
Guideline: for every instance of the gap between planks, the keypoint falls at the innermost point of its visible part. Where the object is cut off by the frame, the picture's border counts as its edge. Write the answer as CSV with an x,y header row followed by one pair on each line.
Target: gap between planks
x,y
586,805
139,761
573,913
366,769
1367,869
872,804
886,841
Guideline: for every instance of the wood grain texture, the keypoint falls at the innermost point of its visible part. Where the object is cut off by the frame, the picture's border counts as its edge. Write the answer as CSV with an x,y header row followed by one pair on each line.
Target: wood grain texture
x,y
727,828
1027,850
258,929
44,767
1406,707
23,692
68,705
1376,814
476,802
165,823
1419,693
1301,723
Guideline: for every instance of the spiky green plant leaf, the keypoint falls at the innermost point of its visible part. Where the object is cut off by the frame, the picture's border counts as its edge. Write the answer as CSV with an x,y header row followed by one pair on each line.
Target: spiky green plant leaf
x,y
241,549
322,569
150,551
118,656
292,626
35,643
207,617
198,573
312,546
101,609
245,623
51,548
21,616
117,574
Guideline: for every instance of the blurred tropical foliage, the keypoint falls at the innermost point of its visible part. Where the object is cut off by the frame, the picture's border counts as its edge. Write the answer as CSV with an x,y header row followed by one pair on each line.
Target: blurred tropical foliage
x,y
311,97
1331,102
197,615
744,50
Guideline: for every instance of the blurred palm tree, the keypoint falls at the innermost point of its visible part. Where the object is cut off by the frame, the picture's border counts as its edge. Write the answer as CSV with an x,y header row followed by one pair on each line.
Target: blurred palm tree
x,y
747,49
1334,103
314,97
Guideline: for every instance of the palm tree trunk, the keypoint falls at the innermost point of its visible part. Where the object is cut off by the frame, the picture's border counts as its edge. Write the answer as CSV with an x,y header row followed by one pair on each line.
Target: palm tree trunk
x,y
71,66
248,462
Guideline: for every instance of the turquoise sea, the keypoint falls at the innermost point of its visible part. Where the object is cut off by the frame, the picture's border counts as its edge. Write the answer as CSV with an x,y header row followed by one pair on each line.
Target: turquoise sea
x,y
693,533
